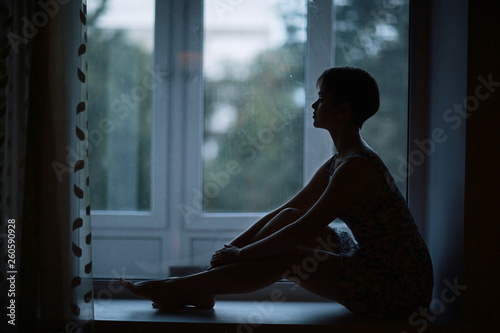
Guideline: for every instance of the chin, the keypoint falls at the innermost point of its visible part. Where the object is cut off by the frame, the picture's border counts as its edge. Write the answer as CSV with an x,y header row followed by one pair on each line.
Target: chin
x,y
316,124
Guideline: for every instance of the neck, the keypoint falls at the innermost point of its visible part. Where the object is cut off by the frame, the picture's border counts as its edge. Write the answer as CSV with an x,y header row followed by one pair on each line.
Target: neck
x,y
347,141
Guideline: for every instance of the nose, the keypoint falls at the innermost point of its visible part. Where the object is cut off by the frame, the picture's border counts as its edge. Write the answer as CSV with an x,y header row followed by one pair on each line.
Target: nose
x,y
314,105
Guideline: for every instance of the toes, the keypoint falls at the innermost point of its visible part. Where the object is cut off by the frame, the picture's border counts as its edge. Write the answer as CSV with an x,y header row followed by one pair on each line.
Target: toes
x,y
126,283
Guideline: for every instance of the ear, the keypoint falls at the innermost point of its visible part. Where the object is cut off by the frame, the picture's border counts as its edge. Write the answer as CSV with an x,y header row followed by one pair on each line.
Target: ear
x,y
345,109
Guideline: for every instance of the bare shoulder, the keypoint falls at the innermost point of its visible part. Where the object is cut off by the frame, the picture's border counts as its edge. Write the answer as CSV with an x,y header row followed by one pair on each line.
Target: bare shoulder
x,y
348,186
359,174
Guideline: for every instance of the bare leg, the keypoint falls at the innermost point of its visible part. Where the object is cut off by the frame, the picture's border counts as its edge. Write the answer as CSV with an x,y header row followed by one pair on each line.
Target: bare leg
x,y
284,218
288,216
317,271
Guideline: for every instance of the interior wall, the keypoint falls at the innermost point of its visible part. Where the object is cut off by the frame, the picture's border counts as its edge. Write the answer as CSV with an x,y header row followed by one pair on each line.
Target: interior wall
x,y
481,303
444,146
462,180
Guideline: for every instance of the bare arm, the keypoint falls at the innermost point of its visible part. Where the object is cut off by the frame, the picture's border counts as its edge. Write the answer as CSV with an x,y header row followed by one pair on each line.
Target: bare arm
x,y
303,200
348,185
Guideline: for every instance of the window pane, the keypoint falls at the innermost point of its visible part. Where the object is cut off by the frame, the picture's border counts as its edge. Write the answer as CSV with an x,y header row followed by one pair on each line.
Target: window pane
x,y
374,35
120,48
254,101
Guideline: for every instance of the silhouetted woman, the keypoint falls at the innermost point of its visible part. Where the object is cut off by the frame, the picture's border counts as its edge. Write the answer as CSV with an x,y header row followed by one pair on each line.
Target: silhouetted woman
x,y
383,269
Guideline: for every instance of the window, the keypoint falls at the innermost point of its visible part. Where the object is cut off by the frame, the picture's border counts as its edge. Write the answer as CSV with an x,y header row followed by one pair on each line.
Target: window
x,y
254,97
374,35
121,58
201,117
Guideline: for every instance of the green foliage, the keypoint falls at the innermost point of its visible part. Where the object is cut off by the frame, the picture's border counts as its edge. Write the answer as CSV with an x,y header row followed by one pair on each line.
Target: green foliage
x,y
267,137
119,122
369,34
374,35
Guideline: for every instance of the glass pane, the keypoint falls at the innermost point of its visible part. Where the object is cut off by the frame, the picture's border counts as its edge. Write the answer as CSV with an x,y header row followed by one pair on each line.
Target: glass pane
x,y
374,35
254,101
120,56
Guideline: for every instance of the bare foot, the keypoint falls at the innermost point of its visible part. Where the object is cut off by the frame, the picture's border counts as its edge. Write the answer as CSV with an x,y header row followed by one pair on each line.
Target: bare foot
x,y
173,296
146,289
166,296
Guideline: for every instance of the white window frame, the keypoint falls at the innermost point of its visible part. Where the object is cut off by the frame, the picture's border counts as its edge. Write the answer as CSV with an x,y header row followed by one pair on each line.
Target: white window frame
x,y
317,144
155,218
177,137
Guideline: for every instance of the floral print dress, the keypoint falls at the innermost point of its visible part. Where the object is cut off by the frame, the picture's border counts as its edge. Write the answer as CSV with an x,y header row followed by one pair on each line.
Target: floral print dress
x,y
386,267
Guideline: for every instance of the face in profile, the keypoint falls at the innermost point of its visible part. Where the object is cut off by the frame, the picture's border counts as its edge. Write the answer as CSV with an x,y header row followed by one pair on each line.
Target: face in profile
x,y
326,114
322,109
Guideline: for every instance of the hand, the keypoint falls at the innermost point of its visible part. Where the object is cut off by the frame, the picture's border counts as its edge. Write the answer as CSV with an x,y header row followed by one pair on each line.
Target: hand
x,y
226,255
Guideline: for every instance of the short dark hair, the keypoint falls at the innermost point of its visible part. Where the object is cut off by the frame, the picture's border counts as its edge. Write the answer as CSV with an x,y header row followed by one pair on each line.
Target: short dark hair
x,y
354,86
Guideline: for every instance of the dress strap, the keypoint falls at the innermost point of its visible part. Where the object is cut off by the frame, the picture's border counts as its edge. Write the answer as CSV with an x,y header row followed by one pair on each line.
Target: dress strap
x,y
331,165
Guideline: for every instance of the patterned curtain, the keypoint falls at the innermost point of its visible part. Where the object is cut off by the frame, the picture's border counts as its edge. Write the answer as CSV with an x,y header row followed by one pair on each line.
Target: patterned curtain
x,y
46,263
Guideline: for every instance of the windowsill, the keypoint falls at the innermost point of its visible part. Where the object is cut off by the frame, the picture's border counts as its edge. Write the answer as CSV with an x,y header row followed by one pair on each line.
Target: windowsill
x,y
132,315
293,311
239,315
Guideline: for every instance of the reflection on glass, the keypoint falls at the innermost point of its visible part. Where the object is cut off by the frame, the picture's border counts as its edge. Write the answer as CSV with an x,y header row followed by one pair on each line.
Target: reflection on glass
x,y
120,46
374,35
254,100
